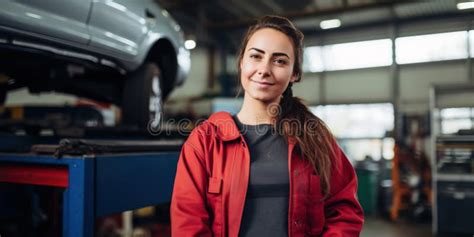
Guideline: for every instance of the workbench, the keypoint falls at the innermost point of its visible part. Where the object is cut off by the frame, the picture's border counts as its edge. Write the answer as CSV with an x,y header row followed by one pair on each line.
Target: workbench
x,y
95,185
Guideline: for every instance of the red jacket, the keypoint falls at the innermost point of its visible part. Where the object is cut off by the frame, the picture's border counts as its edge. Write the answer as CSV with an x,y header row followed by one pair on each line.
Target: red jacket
x,y
211,185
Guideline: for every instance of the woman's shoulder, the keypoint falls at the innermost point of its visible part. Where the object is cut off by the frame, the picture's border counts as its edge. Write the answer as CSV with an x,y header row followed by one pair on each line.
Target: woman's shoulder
x,y
202,129
219,124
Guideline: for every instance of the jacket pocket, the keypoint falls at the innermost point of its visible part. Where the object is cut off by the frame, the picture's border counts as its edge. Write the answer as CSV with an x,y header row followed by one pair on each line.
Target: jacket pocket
x,y
215,205
315,206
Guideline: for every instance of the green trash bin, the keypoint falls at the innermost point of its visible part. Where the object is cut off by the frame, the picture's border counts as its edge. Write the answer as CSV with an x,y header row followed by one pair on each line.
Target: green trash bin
x,y
367,189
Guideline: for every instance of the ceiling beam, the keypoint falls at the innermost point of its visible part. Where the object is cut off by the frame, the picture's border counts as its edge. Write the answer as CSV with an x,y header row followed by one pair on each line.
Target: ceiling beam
x,y
246,7
459,15
306,13
233,10
276,9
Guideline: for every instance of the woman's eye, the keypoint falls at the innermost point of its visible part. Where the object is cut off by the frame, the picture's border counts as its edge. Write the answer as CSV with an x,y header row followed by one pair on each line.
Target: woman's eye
x,y
280,61
255,56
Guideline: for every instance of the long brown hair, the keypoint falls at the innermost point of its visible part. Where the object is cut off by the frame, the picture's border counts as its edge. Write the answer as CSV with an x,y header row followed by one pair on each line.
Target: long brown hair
x,y
294,120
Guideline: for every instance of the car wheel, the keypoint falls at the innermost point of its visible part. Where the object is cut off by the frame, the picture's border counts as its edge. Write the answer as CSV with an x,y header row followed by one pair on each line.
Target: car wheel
x,y
3,88
3,94
142,97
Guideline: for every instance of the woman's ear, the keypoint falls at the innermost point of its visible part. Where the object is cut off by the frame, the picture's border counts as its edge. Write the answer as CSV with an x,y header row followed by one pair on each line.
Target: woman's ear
x,y
294,77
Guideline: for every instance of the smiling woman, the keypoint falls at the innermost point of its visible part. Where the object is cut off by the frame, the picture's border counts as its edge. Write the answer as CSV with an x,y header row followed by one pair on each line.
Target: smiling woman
x,y
266,67
273,169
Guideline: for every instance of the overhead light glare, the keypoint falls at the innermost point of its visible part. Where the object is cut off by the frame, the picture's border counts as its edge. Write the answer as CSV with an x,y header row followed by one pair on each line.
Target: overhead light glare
x,y
465,5
329,24
190,44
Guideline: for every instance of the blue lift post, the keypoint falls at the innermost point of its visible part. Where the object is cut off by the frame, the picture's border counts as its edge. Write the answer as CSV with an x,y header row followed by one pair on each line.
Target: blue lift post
x,y
100,185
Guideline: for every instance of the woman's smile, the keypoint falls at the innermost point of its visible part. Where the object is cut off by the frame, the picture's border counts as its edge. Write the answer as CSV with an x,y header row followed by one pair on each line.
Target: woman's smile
x,y
262,84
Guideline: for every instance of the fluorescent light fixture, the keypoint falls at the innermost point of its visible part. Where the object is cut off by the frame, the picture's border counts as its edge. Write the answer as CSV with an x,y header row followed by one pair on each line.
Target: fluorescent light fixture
x,y
33,15
190,44
329,24
465,5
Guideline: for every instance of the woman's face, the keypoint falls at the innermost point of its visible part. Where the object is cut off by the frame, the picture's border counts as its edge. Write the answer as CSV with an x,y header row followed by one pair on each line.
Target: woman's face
x,y
267,65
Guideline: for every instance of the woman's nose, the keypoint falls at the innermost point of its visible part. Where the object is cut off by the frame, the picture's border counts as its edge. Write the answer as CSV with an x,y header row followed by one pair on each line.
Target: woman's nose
x,y
263,69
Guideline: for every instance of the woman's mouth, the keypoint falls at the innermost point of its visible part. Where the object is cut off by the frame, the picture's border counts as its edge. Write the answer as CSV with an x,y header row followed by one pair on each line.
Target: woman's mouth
x,y
262,84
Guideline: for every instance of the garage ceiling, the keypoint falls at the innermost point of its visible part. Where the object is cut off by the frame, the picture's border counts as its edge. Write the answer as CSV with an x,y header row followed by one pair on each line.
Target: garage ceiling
x,y
216,21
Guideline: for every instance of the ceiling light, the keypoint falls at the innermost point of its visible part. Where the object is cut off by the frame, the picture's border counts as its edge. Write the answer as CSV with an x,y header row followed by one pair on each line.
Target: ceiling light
x,y
465,5
329,24
190,44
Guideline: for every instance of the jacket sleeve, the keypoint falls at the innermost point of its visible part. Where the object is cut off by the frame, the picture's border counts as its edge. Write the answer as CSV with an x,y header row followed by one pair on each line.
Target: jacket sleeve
x,y
189,216
344,215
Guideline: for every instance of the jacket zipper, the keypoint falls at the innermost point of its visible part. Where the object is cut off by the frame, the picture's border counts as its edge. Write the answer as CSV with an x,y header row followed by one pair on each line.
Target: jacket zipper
x,y
290,206
247,152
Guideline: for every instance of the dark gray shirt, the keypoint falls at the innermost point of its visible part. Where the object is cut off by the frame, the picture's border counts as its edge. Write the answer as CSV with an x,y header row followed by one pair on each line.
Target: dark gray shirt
x,y
266,204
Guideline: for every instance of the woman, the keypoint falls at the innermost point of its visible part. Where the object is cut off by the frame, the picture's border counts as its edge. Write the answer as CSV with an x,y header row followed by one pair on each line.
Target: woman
x,y
274,169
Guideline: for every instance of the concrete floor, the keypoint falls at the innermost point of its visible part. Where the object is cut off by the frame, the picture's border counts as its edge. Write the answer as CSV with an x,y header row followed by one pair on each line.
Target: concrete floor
x,y
379,227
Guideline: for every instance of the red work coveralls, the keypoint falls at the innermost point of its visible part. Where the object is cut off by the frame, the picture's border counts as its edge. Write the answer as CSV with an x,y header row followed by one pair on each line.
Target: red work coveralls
x,y
212,178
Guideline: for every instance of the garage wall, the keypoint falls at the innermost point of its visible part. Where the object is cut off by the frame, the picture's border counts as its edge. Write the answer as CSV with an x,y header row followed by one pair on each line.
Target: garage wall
x,y
373,85
417,79
309,89
351,86
358,86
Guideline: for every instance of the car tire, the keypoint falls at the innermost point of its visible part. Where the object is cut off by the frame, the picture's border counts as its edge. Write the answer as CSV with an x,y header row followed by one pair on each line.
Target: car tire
x,y
3,94
3,88
142,97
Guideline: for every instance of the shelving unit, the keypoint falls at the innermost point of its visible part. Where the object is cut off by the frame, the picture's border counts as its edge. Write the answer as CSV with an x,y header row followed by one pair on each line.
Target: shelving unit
x,y
452,163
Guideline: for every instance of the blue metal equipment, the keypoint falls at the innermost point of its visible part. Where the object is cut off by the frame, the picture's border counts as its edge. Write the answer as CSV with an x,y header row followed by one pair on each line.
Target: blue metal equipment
x,y
96,183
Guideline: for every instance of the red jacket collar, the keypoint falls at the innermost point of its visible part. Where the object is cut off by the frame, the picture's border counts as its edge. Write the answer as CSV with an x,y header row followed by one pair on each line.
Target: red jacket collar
x,y
227,130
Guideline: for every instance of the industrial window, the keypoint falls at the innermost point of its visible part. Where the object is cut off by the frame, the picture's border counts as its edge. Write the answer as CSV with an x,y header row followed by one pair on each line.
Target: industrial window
x,y
471,42
363,54
360,128
455,119
313,59
432,47
377,53
357,120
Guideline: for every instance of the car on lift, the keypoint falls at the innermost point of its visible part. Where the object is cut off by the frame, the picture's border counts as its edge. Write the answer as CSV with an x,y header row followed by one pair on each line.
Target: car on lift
x,y
128,53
